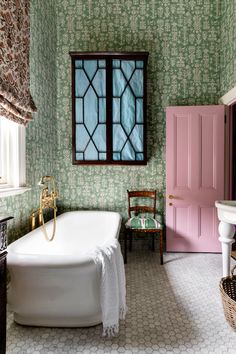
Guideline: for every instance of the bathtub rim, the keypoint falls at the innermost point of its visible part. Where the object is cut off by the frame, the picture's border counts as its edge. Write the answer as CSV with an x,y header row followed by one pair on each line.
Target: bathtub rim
x,y
51,261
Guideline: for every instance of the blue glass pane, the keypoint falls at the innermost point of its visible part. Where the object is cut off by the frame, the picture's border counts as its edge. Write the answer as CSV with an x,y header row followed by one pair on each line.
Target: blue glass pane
x,y
90,66
99,137
128,152
102,156
79,110
118,137
90,110
81,82
136,138
81,137
116,110
91,152
116,156
102,110
102,63
119,82
116,63
128,67
78,64
99,82
136,83
79,156
128,110
139,156
139,110
139,64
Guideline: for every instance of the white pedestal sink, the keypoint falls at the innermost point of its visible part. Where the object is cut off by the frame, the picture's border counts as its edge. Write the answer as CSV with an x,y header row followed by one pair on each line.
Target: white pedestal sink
x,y
226,210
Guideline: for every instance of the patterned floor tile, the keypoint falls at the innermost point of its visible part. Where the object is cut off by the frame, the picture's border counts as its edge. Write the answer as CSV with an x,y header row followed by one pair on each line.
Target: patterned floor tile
x,y
174,308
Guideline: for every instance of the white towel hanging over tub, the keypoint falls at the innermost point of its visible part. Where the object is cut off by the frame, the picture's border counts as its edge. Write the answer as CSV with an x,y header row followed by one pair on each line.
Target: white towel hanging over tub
x,y
110,265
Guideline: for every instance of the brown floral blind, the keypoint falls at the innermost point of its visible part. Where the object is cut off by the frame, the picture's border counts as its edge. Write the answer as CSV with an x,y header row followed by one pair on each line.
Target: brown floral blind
x,y
16,102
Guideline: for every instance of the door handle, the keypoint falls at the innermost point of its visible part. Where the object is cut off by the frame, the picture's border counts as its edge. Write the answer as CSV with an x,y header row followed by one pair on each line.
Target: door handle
x,y
171,196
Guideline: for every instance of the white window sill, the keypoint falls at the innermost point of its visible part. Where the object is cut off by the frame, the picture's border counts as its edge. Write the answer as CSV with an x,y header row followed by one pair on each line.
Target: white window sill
x,y
10,191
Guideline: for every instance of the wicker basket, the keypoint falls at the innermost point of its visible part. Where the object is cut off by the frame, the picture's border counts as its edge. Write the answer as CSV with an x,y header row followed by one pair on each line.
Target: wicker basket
x,y
228,296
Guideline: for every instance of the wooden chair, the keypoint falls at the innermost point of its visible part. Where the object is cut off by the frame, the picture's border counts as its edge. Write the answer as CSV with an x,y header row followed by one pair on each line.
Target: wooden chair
x,y
140,225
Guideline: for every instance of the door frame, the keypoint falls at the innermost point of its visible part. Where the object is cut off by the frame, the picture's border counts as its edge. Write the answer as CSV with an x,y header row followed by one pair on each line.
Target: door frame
x,y
229,100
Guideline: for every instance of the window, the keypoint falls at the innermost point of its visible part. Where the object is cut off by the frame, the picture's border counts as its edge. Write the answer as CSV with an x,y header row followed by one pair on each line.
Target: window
x,y
109,108
12,155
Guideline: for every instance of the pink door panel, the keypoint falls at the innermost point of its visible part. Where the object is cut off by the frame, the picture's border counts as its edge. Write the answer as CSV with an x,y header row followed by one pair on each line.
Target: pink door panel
x,y
194,177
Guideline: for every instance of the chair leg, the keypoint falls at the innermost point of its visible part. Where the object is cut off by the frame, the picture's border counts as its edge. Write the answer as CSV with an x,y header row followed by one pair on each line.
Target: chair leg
x,y
130,241
161,245
153,242
125,248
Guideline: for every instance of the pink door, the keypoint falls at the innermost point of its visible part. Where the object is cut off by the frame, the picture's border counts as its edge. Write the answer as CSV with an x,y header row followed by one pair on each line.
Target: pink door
x,y
194,177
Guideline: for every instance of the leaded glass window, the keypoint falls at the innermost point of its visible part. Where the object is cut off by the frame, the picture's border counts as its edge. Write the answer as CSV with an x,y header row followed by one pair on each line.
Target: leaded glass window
x,y
109,101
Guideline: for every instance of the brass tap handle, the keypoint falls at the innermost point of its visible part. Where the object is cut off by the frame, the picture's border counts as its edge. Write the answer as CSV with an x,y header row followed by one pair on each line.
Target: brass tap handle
x,y
33,221
40,218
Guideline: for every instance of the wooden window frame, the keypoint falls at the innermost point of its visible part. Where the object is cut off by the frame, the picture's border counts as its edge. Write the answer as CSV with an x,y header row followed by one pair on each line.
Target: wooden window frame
x,y
12,154
109,56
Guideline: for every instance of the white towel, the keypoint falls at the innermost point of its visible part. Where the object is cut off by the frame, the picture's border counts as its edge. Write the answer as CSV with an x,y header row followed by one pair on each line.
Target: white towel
x,y
110,265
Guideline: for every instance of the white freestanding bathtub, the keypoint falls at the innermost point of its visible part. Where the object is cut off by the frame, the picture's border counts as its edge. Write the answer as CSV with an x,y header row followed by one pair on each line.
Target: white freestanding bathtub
x,y
56,283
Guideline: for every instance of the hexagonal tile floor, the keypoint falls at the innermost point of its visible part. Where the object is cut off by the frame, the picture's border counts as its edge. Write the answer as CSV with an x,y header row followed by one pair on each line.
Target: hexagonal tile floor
x,y
174,308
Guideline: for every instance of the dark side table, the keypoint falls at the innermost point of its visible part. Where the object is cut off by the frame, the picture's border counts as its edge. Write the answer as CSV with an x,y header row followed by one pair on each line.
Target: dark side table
x,y
3,278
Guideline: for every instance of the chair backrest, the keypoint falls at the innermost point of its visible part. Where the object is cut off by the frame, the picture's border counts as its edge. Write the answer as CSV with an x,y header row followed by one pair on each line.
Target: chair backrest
x,y
141,208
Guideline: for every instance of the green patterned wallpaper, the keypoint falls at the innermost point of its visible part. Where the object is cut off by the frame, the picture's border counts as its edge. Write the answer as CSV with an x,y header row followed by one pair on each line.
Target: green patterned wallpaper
x,y
182,39
228,45
40,133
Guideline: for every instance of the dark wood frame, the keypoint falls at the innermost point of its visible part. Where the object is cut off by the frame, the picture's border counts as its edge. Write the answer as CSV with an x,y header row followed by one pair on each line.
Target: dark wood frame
x,y
142,208
108,56
3,301
3,281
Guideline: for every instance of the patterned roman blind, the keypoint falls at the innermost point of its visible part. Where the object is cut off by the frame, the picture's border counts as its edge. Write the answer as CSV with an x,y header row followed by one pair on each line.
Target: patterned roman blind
x,y
16,102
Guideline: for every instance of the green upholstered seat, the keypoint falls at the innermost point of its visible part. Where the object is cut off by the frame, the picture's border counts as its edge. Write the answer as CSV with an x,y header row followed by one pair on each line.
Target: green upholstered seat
x,y
141,222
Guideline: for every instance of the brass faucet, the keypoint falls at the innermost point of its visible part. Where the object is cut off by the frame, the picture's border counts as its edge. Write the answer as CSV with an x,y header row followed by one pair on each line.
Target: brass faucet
x,y
33,217
47,200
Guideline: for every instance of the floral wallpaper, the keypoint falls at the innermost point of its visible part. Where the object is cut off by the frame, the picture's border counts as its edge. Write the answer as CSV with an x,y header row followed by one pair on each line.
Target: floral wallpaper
x,y
40,133
188,65
182,39
228,45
